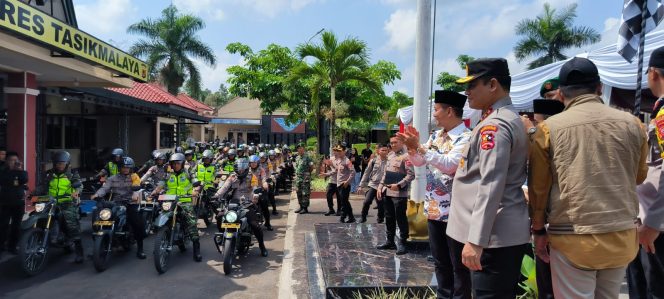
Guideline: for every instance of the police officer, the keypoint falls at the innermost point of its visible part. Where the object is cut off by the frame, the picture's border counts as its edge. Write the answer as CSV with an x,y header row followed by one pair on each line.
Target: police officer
x,y
65,186
259,179
121,187
228,163
345,172
206,171
393,188
149,163
330,173
374,173
112,167
302,183
491,216
189,160
157,173
265,164
240,182
181,184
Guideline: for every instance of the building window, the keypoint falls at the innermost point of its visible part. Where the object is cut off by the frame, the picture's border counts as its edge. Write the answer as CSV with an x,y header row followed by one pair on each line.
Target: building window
x,y
72,132
54,132
166,135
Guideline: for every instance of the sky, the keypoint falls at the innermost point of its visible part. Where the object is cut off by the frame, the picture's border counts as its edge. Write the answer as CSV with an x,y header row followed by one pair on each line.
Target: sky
x,y
479,28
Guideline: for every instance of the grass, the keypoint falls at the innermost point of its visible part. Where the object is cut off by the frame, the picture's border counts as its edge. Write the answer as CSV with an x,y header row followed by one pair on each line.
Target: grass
x,y
402,293
318,185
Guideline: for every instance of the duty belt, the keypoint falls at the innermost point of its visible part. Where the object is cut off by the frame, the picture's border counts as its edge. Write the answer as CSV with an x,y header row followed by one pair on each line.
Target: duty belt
x,y
64,198
185,199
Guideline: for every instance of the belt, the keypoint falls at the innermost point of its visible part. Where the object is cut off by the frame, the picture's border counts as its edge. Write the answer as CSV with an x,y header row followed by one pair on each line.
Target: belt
x,y
64,198
185,199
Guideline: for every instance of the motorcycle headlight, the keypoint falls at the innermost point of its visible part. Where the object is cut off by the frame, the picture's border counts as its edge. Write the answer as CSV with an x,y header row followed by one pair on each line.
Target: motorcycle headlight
x,y
231,217
166,206
105,214
39,207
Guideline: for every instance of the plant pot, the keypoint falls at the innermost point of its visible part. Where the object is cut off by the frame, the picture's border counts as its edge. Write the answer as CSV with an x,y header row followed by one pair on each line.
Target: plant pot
x,y
318,194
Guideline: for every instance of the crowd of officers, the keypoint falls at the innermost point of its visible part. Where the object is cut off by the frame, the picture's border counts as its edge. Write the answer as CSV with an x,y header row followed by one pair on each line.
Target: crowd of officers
x,y
213,170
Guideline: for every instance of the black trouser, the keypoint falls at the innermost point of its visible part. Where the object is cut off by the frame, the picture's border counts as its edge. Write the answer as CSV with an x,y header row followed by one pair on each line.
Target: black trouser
x,y
10,232
645,275
543,276
332,190
135,222
452,276
369,197
256,229
343,193
501,272
273,201
265,209
395,214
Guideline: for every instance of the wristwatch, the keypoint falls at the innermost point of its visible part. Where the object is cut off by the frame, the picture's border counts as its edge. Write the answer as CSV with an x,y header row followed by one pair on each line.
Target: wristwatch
x,y
532,131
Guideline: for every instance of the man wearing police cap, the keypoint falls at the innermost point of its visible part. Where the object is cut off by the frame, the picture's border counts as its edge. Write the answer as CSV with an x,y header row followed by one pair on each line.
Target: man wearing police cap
x,y
491,216
441,154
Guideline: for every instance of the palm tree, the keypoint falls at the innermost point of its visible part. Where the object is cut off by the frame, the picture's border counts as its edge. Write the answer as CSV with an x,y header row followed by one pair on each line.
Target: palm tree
x,y
170,46
333,63
549,34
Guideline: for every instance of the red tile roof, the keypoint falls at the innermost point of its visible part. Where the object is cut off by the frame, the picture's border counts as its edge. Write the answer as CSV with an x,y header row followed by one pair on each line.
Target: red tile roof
x,y
200,106
153,92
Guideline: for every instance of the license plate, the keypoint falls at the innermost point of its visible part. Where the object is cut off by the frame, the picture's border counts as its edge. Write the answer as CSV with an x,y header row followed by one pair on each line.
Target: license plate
x,y
230,225
101,222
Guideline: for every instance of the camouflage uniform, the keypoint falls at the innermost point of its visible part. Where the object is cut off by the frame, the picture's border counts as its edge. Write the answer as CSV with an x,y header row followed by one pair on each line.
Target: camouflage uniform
x,y
156,173
303,165
60,187
184,191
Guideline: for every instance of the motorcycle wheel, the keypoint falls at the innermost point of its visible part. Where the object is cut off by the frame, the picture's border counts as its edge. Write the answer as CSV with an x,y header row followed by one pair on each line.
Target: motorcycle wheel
x,y
229,254
101,252
31,254
161,251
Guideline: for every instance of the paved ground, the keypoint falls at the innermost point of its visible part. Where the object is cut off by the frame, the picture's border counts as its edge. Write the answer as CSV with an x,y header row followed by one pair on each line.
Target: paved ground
x,y
128,277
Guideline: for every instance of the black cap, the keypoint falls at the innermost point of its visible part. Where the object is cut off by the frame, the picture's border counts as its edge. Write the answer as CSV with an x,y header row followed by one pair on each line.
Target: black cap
x,y
657,58
492,67
547,107
578,71
449,97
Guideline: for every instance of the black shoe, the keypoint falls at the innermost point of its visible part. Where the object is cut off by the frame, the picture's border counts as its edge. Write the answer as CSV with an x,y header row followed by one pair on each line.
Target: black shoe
x,y
274,212
139,251
342,219
351,220
304,211
299,210
263,252
78,248
197,251
380,220
337,213
401,248
364,219
269,227
387,245
330,212
375,208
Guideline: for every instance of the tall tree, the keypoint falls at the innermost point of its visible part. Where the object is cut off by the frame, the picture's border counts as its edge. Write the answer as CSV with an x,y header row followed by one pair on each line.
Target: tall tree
x,y
170,48
549,34
334,62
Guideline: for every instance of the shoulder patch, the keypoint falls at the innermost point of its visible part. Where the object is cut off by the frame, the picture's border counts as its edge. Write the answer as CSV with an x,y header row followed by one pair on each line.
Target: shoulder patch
x,y
659,123
487,138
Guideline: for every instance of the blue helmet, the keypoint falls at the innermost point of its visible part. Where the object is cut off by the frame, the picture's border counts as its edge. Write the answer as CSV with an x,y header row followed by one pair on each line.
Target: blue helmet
x,y
254,159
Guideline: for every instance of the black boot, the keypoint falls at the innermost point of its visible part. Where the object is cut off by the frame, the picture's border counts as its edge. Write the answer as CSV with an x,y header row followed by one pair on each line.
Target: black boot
x,y
197,251
78,248
338,213
351,219
304,211
330,212
401,247
263,250
299,210
139,250
389,244
269,227
364,219
274,212
342,219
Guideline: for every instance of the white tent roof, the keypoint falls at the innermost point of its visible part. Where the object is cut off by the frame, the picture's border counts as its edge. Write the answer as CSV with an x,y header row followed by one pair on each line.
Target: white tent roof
x,y
614,71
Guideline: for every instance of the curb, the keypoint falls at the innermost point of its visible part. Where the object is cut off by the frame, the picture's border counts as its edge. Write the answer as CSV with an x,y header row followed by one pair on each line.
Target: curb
x,y
286,276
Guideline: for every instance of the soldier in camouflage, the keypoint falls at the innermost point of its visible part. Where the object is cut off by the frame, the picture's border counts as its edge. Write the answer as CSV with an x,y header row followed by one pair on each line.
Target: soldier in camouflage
x,y
302,183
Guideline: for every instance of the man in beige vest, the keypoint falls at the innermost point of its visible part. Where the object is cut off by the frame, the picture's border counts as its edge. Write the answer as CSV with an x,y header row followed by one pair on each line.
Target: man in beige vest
x,y
585,164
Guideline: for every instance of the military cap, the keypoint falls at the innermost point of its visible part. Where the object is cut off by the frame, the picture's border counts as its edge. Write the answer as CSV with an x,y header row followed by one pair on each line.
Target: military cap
x,y
490,67
449,97
549,85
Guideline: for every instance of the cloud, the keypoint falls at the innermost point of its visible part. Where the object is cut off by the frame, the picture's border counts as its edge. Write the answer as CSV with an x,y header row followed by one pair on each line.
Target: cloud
x,y
211,77
400,28
105,16
515,66
267,8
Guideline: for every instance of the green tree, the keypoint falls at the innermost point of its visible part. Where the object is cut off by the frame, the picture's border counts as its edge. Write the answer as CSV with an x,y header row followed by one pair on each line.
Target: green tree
x,y
170,46
334,62
549,34
399,100
448,81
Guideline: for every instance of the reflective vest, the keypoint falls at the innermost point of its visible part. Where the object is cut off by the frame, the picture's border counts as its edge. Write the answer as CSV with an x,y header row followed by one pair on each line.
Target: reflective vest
x,y
112,168
179,184
229,166
205,174
60,187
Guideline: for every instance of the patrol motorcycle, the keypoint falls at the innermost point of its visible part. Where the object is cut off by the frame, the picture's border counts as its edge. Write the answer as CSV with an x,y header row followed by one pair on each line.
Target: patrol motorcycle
x,y
147,208
41,232
235,237
110,228
170,229
206,207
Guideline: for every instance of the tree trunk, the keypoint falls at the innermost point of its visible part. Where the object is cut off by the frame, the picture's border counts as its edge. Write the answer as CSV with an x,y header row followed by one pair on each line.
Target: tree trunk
x,y
333,102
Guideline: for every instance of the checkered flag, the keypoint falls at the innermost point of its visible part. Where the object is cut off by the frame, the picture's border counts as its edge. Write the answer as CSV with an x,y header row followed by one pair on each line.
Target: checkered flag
x,y
630,27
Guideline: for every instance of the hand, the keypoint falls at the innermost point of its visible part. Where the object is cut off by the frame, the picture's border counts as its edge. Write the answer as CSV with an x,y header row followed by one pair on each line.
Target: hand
x,y
75,195
647,236
194,193
359,190
470,256
542,247
93,197
410,137
527,122
393,187
379,193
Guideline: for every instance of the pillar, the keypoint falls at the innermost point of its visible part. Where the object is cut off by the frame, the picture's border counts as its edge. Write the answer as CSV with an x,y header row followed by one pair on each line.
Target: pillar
x,y
22,94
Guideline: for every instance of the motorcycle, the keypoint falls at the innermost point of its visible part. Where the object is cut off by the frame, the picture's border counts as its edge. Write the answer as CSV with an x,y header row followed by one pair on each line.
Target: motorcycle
x,y
147,208
206,208
109,228
41,232
170,229
235,237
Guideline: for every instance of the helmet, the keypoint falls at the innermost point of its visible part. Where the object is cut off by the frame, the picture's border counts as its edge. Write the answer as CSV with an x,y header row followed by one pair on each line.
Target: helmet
x,y
251,149
262,155
188,152
277,151
128,162
61,156
232,152
118,152
254,159
155,154
286,146
177,157
271,153
241,168
179,150
208,154
232,145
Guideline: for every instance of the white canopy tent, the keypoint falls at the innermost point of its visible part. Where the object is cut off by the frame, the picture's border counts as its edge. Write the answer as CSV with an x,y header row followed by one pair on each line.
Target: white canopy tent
x,y
614,71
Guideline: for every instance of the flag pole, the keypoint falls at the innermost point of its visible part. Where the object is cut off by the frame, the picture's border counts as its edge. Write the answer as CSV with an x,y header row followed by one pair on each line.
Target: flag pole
x,y
642,44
